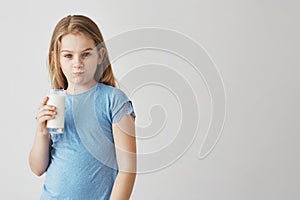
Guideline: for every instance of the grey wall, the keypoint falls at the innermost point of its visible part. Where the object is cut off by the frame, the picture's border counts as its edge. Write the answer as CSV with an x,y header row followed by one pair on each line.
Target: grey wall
x,y
254,45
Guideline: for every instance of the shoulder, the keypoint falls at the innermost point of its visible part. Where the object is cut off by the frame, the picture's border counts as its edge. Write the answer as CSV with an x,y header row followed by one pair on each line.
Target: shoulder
x,y
112,100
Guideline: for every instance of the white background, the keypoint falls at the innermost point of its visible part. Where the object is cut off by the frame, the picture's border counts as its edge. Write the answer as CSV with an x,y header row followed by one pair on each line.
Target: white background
x,y
255,45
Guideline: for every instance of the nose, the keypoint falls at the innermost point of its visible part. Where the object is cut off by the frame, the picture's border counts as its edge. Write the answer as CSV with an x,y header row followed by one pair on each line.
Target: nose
x,y
78,62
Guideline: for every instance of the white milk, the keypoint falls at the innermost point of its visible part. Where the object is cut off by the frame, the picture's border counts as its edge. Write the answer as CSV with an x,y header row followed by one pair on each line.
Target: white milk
x,y
58,100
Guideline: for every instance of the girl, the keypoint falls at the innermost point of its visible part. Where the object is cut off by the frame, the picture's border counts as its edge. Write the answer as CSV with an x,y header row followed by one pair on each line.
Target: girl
x,y
80,163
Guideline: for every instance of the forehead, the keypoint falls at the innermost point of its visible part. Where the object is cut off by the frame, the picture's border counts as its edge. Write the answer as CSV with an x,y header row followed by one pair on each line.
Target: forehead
x,y
76,42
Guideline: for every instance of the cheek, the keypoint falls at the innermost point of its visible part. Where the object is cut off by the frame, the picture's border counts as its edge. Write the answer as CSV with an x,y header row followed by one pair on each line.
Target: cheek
x,y
63,63
91,63
64,67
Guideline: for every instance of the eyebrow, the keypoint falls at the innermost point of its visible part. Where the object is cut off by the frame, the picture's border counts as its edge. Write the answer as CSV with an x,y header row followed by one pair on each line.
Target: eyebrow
x,y
87,49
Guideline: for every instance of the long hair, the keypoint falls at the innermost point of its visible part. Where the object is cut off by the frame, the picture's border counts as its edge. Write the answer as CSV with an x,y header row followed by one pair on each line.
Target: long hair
x,y
77,24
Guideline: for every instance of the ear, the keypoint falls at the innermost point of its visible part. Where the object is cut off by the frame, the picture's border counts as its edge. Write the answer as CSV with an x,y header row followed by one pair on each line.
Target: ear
x,y
101,54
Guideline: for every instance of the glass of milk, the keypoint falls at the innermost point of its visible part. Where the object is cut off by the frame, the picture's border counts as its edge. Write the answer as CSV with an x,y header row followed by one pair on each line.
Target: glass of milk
x,y
57,98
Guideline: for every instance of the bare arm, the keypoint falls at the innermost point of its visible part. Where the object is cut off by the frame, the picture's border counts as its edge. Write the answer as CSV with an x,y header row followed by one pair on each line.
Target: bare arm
x,y
40,152
125,143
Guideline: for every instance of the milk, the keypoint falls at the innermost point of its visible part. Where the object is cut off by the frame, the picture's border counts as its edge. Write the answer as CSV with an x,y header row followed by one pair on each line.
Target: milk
x,y
57,98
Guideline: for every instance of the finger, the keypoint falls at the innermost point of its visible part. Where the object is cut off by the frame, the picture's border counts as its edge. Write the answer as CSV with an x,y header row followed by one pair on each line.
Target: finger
x,y
44,102
44,118
47,112
47,107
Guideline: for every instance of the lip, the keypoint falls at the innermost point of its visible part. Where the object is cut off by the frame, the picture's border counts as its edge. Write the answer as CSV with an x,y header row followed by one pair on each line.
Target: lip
x,y
77,73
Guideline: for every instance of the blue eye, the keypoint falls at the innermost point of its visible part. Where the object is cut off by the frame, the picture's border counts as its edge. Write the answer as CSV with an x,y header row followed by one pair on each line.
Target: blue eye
x,y
68,56
86,54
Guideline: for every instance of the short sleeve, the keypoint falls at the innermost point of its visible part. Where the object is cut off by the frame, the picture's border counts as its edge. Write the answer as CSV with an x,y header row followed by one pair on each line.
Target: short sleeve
x,y
121,106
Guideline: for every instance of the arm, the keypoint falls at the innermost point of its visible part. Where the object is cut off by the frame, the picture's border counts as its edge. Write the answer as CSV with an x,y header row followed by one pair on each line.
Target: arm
x,y
125,143
40,152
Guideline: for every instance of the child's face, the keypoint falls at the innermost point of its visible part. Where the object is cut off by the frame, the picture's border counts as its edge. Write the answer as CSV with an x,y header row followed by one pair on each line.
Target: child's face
x,y
79,59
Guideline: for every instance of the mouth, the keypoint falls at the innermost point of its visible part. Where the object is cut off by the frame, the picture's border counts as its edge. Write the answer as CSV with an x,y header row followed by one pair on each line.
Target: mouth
x,y
77,73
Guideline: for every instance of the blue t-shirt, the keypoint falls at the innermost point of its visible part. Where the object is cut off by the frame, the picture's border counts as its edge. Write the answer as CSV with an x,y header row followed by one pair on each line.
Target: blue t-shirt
x,y
83,166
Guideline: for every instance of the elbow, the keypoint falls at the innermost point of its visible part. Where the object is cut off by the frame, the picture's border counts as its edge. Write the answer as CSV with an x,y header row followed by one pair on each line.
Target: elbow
x,y
37,171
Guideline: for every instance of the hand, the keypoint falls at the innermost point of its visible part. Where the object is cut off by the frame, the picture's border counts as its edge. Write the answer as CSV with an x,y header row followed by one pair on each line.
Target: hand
x,y
45,113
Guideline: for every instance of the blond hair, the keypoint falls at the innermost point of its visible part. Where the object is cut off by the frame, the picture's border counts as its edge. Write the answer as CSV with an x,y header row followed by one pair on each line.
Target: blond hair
x,y
77,24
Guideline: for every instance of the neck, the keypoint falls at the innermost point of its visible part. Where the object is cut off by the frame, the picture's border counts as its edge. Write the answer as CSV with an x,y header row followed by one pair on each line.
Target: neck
x,y
77,89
